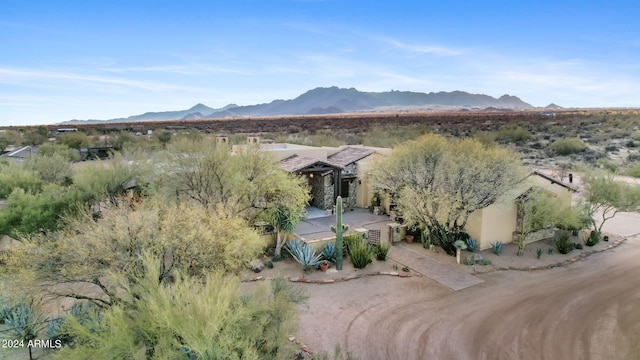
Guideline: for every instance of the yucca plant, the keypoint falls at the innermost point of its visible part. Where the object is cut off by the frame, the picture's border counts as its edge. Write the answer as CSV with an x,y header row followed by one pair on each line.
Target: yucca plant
x,y
303,253
381,251
360,255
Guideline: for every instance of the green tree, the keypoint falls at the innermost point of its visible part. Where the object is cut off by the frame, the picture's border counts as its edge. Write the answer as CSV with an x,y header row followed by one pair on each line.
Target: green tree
x,y
59,149
32,137
109,179
54,168
4,143
163,137
543,209
606,197
287,212
75,140
12,137
191,318
15,175
41,212
90,253
438,183
248,183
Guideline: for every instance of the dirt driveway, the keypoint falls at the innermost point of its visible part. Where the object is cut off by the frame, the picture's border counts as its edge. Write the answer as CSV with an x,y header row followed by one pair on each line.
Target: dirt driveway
x,y
587,310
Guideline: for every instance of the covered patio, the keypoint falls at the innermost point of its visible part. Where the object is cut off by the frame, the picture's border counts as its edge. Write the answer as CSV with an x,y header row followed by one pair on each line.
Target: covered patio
x,y
316,229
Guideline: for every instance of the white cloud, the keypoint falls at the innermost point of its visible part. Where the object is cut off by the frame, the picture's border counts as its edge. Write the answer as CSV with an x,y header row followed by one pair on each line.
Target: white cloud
x,y
18,76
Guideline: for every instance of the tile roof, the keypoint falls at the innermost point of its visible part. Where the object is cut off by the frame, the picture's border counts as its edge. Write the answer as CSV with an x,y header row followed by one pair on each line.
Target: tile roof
x,y
349,155
295,163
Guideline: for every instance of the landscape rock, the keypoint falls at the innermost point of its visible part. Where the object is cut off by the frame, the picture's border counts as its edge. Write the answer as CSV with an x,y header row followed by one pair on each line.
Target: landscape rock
x,y
475,258
257,266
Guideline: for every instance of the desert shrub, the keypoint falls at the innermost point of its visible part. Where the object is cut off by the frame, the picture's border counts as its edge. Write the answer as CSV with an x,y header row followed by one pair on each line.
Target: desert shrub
x,y
577,246
360,255
497,247
381,251
564,244
538,253
592,239
608,165
568,146
633,170
329,251
513,133
631,144
485,262
487,138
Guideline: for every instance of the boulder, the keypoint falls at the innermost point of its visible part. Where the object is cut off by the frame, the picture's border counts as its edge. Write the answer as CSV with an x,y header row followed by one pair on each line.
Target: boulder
x,y
257,266
475,258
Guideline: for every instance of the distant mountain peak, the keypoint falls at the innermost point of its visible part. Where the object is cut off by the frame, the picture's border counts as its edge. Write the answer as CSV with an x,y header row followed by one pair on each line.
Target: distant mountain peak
x,y
333,100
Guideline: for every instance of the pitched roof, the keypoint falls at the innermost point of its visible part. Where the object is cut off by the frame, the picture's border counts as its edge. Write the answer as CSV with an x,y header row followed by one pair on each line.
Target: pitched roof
x,y
23,152
349,155
296,163
553,180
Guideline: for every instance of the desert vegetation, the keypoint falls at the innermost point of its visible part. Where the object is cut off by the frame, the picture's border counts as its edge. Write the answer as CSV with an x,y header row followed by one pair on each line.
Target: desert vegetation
x,y
169,217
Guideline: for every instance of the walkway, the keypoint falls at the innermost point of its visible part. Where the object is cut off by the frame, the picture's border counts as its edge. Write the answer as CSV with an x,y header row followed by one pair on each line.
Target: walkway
x,y
431,268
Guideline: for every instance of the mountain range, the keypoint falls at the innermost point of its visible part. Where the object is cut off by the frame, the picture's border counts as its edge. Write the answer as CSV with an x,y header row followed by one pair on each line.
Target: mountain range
x,y
332,100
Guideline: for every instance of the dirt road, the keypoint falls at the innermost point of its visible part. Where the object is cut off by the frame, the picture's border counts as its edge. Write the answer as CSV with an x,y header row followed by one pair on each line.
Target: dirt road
x,y
587,310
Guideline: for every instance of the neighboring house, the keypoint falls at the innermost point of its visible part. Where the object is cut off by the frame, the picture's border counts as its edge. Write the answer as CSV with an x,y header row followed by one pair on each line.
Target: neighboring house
x,y
21,154
502,220
330,171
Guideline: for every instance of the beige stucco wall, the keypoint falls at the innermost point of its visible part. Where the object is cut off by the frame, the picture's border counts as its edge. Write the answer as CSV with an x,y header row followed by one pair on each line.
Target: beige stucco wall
x,y
498,221
364,190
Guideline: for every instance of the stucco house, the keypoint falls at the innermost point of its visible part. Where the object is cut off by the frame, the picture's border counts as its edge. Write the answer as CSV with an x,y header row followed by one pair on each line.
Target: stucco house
x,y
330,171
502,220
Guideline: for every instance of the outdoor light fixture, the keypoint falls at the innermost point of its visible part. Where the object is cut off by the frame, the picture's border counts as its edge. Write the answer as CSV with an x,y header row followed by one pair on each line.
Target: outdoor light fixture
x,y
311,175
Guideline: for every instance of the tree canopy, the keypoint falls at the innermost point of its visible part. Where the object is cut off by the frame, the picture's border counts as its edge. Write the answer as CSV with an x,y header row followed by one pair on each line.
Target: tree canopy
x,y
438,183
606,197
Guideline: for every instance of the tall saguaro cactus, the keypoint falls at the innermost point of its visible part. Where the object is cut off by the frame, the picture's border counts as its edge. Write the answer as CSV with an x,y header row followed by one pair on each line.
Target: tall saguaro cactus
x,y
339,229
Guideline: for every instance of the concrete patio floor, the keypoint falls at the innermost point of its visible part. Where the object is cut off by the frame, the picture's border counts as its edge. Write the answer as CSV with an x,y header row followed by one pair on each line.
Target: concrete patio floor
x,y
317,226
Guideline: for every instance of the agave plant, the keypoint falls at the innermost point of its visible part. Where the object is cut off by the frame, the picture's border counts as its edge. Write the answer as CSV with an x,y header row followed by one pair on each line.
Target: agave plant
x,y
472,245
303,253
329,251
497,247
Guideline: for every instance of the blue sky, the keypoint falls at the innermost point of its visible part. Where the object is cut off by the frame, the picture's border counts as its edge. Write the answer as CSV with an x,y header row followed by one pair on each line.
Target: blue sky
x,y
68,59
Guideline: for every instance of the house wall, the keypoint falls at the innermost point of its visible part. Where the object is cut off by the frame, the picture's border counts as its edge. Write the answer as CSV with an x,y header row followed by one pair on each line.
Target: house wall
x,y
498,224
365,188
498,221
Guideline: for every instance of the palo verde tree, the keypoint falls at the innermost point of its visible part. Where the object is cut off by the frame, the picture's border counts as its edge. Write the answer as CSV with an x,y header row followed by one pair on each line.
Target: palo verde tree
x,y
606,197
543,209
82,260
188,318
438,183
248,182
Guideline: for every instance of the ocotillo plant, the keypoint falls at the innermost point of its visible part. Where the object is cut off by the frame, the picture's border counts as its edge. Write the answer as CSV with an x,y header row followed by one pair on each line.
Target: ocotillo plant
x,y
339,229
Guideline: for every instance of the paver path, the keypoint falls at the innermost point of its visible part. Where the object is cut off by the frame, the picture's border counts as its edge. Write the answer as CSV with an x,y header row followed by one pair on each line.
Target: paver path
x,y
439,272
